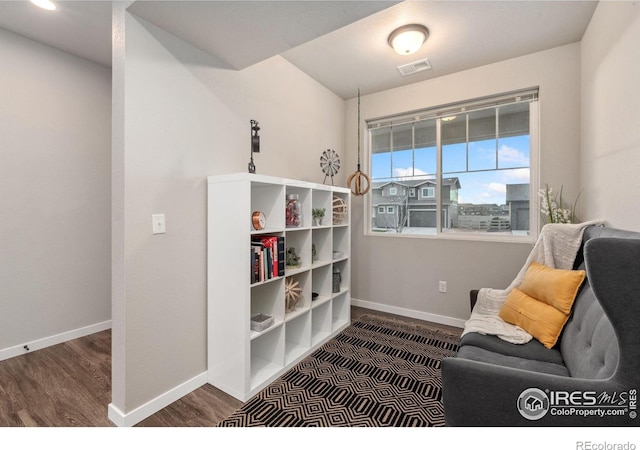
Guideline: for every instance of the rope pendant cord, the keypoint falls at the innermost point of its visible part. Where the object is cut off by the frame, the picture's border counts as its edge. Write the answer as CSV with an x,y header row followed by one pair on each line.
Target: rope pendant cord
x,y
358,177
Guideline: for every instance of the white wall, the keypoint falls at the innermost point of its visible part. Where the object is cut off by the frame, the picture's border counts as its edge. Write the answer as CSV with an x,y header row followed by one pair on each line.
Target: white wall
x,y
54,195
464,265
610,157
181,116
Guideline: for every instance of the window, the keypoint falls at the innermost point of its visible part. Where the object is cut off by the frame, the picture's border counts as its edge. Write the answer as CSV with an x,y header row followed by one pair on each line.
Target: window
x,y
470,164
428,192
390,210
380,209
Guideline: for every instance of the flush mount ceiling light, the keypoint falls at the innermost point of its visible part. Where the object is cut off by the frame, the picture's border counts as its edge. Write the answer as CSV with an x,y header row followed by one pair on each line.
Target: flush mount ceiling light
x,y
408,39
45,4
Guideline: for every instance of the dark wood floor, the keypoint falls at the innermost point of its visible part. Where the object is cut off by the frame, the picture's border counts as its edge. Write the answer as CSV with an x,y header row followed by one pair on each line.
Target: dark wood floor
x,y
69,385
63,385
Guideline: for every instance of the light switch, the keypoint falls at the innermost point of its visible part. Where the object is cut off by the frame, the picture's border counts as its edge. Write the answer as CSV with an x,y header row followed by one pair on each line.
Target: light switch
x,y
157,221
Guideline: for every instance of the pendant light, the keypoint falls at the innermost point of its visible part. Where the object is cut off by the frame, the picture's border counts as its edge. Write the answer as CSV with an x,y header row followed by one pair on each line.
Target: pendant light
x,y
359,178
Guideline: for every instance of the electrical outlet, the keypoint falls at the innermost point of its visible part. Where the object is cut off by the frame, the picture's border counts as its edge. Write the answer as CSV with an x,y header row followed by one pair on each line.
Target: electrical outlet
x,y
157,224
442,286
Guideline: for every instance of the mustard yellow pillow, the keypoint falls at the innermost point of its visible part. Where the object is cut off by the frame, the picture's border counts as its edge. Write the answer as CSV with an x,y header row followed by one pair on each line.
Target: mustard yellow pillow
x,y
555,287
542,304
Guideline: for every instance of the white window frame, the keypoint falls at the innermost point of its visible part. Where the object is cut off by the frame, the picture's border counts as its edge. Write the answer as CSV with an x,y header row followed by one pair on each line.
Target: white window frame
x,y
381,210
391,210
428,189
412,192
393,191
534,183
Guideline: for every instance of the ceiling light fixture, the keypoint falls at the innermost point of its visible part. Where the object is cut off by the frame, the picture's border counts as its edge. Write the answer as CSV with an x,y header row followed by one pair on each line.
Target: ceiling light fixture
x,y
45,4
408,39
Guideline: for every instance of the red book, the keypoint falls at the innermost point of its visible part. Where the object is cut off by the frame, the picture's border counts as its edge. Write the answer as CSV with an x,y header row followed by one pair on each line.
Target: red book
x,y
271,243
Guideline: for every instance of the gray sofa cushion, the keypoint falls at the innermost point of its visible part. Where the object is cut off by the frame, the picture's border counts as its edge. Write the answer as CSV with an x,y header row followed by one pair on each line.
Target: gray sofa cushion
x,y
588,342
531,350
486,356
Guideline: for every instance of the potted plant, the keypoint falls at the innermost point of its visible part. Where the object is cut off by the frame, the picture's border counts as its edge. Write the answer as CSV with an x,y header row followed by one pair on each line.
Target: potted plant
x,y
293,260
318,215
553,208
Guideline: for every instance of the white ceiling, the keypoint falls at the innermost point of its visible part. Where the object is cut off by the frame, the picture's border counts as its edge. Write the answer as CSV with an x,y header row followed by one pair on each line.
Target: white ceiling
x,y
341,44
82,28
243,33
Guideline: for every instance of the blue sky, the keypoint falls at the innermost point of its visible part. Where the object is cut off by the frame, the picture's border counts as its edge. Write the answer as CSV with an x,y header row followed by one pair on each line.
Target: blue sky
x,y
482,184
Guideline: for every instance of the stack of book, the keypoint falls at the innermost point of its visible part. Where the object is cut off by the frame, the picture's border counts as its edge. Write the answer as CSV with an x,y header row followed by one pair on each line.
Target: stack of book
x,y
267,257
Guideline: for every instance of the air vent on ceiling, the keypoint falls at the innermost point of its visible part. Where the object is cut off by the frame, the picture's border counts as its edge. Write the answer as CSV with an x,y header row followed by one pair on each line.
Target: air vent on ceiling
x,y
414,67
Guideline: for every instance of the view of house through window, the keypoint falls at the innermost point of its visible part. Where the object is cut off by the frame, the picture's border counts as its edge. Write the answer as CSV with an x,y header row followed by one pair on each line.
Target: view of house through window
x,y
458,169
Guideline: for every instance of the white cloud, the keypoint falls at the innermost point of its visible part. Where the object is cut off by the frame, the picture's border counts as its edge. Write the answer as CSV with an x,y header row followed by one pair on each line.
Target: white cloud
x,y
497,187
512,156
517,175
408,173
492,193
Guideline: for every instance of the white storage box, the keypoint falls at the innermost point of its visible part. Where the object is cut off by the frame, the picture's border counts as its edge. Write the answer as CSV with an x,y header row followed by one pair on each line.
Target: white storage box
x,y
260,322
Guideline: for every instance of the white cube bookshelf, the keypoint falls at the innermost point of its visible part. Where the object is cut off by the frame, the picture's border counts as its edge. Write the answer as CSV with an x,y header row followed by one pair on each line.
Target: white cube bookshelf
x,y
241,361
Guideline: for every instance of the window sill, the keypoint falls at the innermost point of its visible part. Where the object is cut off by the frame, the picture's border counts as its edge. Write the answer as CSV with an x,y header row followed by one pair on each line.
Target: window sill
x,y
457,236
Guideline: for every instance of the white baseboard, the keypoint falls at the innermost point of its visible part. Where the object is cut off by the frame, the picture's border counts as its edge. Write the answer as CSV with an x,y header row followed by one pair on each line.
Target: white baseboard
x,y
153,406
38,344
444,320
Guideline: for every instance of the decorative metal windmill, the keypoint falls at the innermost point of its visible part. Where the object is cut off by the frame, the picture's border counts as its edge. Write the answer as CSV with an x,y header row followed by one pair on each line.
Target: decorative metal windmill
x,y
330,164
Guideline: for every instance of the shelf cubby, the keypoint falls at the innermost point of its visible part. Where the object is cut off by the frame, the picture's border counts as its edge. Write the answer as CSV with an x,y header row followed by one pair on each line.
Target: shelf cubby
x,y
321,240
269,199
340,311
304,201
321,281
340,243
265,299
305,298
298,337
267,356
321,199
342,266
321,323
300,240
344,199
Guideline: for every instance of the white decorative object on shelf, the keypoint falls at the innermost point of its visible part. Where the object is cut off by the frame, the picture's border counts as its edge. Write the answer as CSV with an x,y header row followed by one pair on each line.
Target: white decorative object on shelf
x,y
340,210
292,294
245,355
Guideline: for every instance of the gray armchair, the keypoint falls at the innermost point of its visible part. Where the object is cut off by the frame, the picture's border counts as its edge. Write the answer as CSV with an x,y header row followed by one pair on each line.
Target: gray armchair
x,y
594,369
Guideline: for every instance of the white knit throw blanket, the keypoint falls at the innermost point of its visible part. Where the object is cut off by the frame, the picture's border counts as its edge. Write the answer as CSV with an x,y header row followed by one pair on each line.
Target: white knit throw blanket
x,y
556,247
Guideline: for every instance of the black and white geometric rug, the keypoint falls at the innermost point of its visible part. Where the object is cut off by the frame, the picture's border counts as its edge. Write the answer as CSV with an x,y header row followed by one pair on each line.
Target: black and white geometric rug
x,y
378,372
